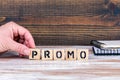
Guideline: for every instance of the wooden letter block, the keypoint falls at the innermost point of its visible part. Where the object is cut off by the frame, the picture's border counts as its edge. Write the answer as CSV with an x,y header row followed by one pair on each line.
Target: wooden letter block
x,y
59,54
70,54
82,54
34,54
47,54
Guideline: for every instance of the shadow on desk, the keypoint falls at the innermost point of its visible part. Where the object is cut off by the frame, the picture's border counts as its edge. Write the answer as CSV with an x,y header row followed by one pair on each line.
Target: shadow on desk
x,y
10,55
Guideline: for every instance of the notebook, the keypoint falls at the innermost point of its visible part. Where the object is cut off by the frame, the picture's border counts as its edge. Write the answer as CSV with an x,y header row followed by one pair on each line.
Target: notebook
x,y
98,51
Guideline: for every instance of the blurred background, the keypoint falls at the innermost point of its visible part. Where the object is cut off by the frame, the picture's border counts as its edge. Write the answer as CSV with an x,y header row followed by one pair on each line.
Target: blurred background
x,y
64,22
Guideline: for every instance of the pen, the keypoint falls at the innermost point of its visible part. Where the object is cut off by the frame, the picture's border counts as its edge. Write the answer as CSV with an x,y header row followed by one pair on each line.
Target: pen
x,y
97,44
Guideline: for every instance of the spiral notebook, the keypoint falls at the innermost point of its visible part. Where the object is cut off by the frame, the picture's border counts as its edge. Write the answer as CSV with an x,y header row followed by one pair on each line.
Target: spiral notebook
x,y
98,51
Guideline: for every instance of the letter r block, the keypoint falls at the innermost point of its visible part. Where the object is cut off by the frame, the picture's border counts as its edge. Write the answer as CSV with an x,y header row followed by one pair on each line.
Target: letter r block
x,y
34,54
47,54
70,54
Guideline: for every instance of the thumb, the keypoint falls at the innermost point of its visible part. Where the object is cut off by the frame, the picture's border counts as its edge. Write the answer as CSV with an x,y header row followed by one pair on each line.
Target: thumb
x,y
20,48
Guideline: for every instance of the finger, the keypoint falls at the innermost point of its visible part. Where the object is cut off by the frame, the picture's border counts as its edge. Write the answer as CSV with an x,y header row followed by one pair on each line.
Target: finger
x,y
27,36
20,48
29,40
24,32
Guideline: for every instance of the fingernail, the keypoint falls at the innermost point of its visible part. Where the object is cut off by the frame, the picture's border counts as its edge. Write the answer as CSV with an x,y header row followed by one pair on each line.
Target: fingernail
x,y
26,51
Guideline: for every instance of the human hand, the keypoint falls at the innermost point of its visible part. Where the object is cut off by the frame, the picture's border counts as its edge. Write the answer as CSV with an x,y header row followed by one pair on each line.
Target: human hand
x,y
16,38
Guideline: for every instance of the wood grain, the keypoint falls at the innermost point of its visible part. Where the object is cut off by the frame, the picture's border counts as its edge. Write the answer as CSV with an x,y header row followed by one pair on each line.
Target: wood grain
x,y
69,20
72,35
97,67
75,30
63,22
38,8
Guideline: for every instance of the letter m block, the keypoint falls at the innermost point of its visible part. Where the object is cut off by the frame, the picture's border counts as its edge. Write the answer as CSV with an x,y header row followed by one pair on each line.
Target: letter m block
x,y
70,54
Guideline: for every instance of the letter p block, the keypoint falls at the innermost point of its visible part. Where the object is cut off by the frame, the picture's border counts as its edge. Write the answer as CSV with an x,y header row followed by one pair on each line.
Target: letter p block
x,y
34,54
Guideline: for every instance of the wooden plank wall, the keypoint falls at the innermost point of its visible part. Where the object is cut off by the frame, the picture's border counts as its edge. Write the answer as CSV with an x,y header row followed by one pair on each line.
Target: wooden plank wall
x,y
63,22
49,7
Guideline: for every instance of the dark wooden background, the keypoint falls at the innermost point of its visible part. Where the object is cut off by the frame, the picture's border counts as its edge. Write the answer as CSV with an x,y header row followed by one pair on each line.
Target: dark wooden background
x,y
63,22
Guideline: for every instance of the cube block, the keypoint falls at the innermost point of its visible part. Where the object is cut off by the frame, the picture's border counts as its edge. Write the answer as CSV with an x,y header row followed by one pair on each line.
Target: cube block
x,y
47,54
82,54
34,54
59,54
70,54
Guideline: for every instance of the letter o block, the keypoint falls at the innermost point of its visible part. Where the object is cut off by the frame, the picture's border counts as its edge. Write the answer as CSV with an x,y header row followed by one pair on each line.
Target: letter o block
x,y
34,54
82,54
59,54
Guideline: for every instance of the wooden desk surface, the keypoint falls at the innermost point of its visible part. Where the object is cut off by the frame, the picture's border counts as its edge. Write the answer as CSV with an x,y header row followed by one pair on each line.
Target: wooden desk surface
x,y
96,68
